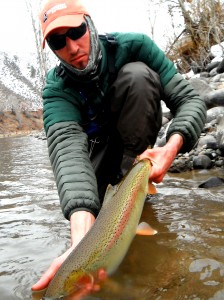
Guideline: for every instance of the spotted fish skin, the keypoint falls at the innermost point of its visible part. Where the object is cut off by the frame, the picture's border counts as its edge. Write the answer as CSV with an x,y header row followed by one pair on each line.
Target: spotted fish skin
x,y
108,240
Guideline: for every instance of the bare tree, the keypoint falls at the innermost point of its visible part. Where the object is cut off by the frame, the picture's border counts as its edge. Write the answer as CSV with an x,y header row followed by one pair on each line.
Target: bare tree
x,y
33,7
204,27
152,11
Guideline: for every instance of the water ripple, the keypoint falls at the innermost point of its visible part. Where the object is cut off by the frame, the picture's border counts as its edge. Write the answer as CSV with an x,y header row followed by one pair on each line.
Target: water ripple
x,y
185,260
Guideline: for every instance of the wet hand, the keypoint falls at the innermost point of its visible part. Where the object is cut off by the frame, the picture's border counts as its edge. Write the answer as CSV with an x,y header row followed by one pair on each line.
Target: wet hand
x,y
162,157
159,167
81,222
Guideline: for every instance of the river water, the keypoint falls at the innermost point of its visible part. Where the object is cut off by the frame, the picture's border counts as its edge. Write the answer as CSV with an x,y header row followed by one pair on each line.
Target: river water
x,y
185,260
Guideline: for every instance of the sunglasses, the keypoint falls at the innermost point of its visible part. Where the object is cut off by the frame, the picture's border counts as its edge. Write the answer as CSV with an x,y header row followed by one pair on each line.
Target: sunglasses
x,y
58,41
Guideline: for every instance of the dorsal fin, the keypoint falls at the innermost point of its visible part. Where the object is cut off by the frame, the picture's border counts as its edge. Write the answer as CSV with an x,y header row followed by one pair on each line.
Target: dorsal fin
x,y
110,191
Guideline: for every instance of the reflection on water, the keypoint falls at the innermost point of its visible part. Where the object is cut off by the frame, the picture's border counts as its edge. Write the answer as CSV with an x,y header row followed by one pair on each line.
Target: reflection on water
x,y
185,260
30,217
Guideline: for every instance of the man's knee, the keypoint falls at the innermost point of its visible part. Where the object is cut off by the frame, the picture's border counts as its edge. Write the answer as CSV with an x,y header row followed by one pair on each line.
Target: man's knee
x,y
135,99
139,72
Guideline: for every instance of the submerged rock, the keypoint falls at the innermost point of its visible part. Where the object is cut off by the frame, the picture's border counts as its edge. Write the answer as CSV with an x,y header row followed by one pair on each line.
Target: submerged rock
x,y
212,182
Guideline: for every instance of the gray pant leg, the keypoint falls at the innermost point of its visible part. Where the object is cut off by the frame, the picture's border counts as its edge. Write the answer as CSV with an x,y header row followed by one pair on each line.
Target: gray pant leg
x,y
136,119
135,105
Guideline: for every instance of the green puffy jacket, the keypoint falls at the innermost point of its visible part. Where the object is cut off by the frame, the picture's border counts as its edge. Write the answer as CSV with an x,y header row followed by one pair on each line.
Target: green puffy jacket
x,y
63,116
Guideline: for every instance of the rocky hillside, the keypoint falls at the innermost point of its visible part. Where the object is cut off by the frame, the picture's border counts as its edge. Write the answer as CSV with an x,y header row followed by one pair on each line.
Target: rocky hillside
x,y
20,85
20,123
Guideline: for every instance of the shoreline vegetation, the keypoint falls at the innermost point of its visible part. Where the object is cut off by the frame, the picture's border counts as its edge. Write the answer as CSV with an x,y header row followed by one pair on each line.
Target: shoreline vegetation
x,y
20,123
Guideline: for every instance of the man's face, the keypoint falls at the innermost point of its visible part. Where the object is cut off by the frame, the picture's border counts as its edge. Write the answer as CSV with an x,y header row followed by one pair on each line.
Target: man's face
x,y
75,52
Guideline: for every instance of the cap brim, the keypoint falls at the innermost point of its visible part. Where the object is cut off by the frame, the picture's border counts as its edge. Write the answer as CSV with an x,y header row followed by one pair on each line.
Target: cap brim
x,y
64,21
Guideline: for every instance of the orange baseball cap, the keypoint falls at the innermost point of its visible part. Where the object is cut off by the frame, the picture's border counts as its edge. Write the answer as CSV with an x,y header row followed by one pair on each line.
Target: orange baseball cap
x,y
61,13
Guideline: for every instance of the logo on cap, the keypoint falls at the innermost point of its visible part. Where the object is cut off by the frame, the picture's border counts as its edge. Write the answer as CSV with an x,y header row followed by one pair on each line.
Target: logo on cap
x,y
45,17
53,10
57,7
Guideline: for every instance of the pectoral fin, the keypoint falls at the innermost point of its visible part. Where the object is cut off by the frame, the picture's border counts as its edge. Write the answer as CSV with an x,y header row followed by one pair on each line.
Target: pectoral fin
x,y
151,189
145,229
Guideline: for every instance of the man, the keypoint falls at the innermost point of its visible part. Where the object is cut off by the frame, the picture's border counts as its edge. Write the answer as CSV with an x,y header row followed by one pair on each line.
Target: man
x,y
102,109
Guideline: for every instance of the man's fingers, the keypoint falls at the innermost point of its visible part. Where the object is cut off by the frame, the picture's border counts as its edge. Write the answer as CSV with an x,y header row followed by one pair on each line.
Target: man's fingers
x,y
47,276
41,284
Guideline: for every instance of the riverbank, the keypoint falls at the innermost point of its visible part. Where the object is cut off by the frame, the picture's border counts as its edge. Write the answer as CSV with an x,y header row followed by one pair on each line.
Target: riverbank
x,y
208,152
20,123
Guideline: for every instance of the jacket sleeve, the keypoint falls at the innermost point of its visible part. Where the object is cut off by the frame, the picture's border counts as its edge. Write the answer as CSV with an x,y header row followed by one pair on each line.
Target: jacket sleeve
x,y
188,109
75,178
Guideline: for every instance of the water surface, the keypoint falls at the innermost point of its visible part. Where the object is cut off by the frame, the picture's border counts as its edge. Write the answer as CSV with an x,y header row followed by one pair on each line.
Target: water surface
x,y
185,260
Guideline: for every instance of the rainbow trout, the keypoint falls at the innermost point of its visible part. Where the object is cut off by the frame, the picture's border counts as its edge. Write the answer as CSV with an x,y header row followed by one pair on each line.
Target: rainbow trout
x,y
108,240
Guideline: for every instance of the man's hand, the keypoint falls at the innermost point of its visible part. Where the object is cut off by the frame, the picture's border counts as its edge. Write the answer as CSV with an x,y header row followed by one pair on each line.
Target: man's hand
x,y
81,222
162,157
49,274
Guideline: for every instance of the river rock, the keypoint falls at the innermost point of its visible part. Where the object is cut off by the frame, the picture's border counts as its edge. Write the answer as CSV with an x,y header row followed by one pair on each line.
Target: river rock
x,y
202,162
216,78
220,134
219,163
212,182
214,113
200,86
217,51
214,98
220,68
213,72
208,141
212,66
181,164
204,76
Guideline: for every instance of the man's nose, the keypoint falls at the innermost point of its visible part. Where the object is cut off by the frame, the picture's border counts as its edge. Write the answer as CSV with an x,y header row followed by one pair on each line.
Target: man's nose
x,y
71,45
